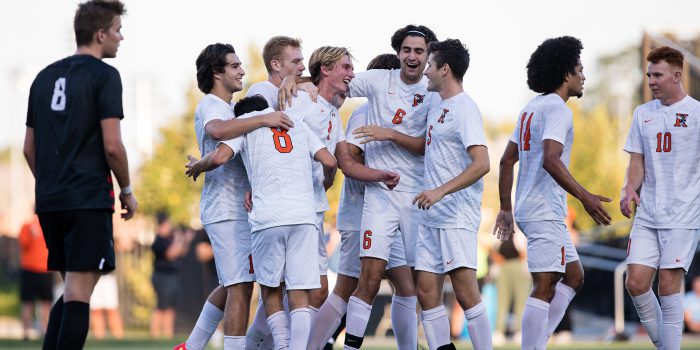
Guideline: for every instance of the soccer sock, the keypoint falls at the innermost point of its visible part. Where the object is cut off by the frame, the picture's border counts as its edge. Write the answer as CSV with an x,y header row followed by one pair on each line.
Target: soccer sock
x,y
279,327
534,322
436,327
357,318
479,327
74,325
327,321
672,311
313,313
405,321
562,298
55,316
300,327
258,332
650,316
232,342
338,330
206,324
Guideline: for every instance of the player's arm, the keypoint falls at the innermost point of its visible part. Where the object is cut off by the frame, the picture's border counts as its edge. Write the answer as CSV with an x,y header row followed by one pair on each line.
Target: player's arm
x,y
220,130
557,169
369,133
288,90
633,183
504,220
471,174
29,149
212,160
351,162
330,165
115,153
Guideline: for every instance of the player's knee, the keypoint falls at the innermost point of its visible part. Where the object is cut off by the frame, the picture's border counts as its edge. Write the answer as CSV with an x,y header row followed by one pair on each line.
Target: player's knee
x,y
574,282
636,286
427,296
544,286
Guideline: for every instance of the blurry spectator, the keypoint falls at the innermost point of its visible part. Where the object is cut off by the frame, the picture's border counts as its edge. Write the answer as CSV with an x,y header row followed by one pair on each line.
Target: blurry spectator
x,y
691,307
36,283
513,287
168,247
105,302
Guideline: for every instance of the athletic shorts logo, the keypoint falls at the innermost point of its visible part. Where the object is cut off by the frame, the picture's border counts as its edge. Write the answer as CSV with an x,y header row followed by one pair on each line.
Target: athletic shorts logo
x,y
679,259
450,261
681,120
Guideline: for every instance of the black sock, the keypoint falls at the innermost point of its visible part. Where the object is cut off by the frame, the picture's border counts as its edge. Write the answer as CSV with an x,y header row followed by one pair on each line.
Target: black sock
x,y
54,325
353,341
74,325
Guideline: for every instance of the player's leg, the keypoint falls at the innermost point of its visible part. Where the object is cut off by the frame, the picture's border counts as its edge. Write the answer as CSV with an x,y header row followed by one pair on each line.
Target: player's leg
x,y
435,321
332,311
208,320
26,294
300,277
98,324
318,296
236,314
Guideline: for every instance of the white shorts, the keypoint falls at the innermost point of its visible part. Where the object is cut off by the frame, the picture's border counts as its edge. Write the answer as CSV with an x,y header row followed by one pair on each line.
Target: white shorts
x,y
383,215
549,246
231,242
349,262
443,250
322,240
289,254
105,295
662,248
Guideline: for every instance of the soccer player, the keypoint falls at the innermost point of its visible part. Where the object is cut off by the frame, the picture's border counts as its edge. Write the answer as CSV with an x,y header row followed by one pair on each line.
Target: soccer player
x,y
542,143
456,159
219,74
72,142
664,148
283,218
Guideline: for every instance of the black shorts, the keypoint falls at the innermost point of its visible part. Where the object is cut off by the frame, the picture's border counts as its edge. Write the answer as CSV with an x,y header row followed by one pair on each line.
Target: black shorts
x,y
167,287
79,240
35,286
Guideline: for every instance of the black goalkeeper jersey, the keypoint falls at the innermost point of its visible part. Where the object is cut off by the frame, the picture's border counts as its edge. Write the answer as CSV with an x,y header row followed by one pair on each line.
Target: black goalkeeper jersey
x,y
67,101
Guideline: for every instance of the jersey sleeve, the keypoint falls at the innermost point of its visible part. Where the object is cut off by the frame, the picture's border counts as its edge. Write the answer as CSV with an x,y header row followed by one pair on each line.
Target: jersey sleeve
x,y
315,144
236,144
363,85
109,97
215,111
268,94
471,128
557,124
357,119
634,138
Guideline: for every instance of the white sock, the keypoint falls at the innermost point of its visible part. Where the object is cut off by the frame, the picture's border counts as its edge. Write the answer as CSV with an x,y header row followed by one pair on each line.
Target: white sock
x,y
356,321
300,326
534,323
234,342
313,312
258,335
327,321
650,316
562,298
279,327
672,311
479,327
436,327
206,324
405,321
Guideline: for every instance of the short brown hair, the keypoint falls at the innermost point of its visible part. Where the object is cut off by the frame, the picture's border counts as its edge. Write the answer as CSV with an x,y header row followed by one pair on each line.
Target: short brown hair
x,y
325,56
94,15
670,55
274,49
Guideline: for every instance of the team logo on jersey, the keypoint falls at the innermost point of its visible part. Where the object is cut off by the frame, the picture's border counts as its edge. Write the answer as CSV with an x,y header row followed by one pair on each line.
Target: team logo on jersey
x,y
680,120
417,99
441,120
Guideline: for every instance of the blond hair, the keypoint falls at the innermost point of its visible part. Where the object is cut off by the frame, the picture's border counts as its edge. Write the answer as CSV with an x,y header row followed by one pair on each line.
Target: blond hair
x,y
325,56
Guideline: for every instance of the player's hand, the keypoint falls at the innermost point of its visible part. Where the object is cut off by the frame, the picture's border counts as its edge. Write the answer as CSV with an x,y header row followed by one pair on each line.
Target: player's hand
x,y
310,89
373,133
427,198
277,120
628,196
288,89
129,204
504,225
390,179
192,169
248,201
594,207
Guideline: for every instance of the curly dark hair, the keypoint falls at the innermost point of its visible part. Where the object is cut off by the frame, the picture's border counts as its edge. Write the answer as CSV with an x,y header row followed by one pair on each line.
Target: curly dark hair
x,y
250,104
385,61
453,53
94,15
210,61
412,30
550,63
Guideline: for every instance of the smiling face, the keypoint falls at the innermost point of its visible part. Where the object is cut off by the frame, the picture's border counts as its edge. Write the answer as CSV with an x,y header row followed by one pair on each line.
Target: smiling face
x,y
292,62
433,73
111,38
232,76
340,74
413,55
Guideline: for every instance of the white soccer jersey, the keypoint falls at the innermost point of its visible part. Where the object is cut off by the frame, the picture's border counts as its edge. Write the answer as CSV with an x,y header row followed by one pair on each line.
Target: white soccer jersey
x,y
538,197
401,107
324,121
267,90
669,139
279,169
353,193
224,188
453,126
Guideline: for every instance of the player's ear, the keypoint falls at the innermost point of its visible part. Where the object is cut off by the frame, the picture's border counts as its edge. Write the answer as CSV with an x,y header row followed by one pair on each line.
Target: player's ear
x,y
99,36
275,64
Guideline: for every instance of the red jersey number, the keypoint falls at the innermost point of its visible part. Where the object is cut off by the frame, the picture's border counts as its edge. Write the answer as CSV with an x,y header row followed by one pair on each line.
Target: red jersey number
x,y
283,143
525,136
398,117
663,142
367,240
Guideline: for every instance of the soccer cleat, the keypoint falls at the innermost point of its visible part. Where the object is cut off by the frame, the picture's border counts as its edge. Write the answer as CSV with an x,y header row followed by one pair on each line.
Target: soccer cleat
x,y
180,347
